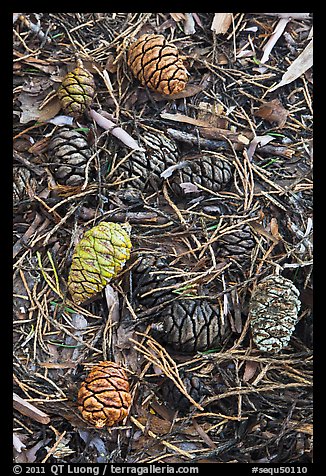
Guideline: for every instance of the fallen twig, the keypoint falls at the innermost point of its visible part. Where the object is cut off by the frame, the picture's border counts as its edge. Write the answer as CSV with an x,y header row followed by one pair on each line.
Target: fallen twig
x,y
294,16
115,130
206,130
196,140
26,408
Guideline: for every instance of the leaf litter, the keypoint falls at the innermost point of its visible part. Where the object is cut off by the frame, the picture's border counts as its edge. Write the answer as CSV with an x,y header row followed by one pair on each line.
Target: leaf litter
x,y
259,407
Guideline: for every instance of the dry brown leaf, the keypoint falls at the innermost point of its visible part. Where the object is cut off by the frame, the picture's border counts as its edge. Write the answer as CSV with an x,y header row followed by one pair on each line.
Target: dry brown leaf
x,y
261,230
78,324
221,22
250,370
154,423
236,319
183,118
50,110
299,66
30,107
188,91
124,351
32,97
111,65
213,114
274,228
273,111
202,433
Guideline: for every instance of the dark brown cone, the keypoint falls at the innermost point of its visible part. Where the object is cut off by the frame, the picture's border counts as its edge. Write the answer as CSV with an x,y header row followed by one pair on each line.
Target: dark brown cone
x,y
191,325
69,151
152,284
236,245
195,387
208,171
145,168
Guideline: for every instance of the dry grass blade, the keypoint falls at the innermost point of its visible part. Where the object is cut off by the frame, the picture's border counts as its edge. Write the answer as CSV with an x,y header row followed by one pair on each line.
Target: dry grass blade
x,y
277,33
164,442
157,355
299,66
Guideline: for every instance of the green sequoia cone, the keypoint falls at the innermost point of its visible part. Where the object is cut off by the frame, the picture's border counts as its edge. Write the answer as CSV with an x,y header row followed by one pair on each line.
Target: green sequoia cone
x,y
99,256
76,91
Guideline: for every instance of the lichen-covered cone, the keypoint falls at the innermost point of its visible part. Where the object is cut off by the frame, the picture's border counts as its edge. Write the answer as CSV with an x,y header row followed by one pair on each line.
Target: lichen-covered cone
x,y
144,168
207,171
103,397
69,153
273,313
192,325
76,91
98,257
157,65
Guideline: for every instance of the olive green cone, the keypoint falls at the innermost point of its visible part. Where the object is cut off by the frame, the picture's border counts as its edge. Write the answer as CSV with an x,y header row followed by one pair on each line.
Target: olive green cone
x,y
99,256
76,91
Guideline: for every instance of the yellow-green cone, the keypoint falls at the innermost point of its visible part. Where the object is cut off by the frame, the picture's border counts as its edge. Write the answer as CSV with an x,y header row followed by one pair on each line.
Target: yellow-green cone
x,y
76,91
99,256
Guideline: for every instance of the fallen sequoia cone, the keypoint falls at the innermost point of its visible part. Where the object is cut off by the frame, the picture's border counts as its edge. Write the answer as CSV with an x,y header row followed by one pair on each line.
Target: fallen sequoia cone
x,y
76,91
104,398
157,64
193,325
98,257
273,312
69,153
